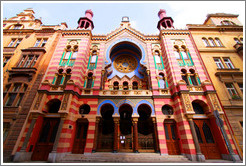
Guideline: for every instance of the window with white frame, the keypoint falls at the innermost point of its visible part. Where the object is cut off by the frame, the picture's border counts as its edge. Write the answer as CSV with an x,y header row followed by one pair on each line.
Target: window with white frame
x,y
218,42
228,63
28,61
205,41
212,43
40,42
232,91
14,42
218,63
240,86
5,60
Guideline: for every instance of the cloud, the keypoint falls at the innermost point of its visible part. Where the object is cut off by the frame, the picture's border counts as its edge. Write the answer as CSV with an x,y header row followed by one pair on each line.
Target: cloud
x,y
196,12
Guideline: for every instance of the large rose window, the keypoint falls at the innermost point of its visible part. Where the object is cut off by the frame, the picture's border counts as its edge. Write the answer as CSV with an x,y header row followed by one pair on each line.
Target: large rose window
x,y
125,63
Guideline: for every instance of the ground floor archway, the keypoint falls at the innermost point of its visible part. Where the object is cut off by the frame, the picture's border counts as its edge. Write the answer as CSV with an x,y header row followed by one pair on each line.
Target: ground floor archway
x,y
46,139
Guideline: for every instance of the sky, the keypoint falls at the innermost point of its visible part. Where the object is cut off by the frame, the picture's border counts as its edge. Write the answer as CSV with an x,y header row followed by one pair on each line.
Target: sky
x,y
143,15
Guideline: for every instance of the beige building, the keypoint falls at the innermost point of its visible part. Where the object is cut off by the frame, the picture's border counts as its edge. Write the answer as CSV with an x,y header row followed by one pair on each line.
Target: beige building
x,y
220,43
27,49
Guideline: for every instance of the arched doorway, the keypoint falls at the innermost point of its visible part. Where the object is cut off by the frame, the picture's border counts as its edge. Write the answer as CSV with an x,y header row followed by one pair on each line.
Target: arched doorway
x,y
80,136
126,133
204,132
106,129
172,137
48,132
146,136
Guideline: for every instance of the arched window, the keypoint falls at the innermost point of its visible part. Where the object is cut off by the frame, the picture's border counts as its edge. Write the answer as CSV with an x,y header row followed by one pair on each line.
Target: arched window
x,y
205,41
212,43
89,81
125,85
218,42
53,106
116,85
176,52
198,109
184,76
94,57
193,77
183,53
157,57
134,85
162,83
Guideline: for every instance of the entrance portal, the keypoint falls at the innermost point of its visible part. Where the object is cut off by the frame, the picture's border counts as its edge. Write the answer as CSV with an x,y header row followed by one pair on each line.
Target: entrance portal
x,y
172,138
80,136
206,140
146,136
46,139
125,144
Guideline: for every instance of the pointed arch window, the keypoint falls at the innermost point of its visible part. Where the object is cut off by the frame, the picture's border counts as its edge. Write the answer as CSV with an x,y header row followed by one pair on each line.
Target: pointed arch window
x,y
207,133
198,133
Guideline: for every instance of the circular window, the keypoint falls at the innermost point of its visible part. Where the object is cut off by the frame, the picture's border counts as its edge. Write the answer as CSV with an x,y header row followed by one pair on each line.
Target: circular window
x,y
125,63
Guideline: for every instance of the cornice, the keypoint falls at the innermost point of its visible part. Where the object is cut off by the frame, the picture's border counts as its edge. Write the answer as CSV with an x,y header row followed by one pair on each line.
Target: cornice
x,y
76,32
175,32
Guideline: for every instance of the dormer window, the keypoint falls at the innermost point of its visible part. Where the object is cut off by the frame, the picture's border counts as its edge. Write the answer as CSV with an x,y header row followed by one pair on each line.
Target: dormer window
x,y
17,27
227,22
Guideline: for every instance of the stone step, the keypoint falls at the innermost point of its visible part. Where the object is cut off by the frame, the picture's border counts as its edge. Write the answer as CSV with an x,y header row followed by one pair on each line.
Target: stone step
x,y
124,157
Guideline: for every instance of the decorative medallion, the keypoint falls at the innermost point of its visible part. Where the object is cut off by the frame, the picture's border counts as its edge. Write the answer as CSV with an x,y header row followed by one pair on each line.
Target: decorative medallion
x,y
125,63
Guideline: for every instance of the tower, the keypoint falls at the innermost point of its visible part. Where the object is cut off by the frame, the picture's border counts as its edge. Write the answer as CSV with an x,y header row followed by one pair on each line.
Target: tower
x,y
164,22
86,22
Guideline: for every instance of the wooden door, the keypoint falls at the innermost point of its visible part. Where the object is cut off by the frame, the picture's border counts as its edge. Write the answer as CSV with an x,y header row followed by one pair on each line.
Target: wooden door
x,y
80,138
46,139
206,139
172,139
126,136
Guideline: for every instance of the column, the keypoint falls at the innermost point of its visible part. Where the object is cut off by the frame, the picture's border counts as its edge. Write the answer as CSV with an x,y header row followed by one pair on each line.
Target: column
x,y
95,135
52,155
157,148
23,155
116,135
149,82
28,135
199,155
135,134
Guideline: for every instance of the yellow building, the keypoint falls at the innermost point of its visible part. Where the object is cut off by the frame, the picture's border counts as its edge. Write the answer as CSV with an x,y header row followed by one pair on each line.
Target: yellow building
x,y
220,43
27,49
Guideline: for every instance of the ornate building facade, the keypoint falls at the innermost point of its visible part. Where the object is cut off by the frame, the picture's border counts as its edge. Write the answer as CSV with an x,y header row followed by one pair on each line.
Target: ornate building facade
x,y
125,92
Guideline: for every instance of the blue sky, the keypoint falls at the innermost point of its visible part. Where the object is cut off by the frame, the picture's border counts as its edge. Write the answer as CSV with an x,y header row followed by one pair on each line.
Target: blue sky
x,y
108,15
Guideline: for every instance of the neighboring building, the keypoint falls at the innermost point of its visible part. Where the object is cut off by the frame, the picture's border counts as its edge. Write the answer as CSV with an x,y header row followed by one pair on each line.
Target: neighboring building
x,y
125,92
28,47
220,43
